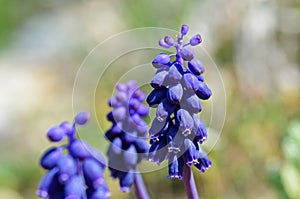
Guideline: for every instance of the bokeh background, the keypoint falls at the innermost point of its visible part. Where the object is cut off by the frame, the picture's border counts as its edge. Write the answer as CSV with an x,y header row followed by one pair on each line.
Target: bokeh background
x,y
254,43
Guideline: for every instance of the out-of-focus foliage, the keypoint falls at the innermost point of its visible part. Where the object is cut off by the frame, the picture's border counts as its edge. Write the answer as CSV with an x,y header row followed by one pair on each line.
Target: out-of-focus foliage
x,y
255,44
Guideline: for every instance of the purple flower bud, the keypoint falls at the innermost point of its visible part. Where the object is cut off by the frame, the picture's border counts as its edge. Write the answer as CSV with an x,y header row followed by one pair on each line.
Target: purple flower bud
x,y
126,180
163,44
196,67
199,129
82,118
200,78
174,139
156,96
164,110
169,40
203,92
68,127
99,193
115,165
187,54
129,138
113,102
110,117
47,183
56,134
75,188
190,82
161,60
134,103
175,93
131,85
121,97
175,167
141,146
140,95
98,156
184,29
204,161
119,113
93,173
143,110
185,121
191,154
80,149
158,151
115,147
174,75
121,87
130,156
191,103
158,80
67,168
195,40
158,127
51,157
112,133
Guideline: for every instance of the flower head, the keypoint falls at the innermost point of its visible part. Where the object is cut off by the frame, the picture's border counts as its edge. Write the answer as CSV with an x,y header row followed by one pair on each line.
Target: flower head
x,y
177,132
128,132
75,170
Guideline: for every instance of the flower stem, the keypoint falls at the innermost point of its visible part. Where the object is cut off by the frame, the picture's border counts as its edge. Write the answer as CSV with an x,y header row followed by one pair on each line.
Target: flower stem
x,y
189,183
140,189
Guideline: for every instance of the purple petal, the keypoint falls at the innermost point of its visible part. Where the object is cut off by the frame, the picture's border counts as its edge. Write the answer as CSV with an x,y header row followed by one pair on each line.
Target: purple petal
x,y
156,96
187,54
196,67
203,92
82,118
195,40
175,93
56,134
184,29
51,157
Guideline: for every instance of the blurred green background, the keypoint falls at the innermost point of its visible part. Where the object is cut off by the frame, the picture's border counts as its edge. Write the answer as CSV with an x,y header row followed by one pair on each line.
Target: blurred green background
x,y
255,43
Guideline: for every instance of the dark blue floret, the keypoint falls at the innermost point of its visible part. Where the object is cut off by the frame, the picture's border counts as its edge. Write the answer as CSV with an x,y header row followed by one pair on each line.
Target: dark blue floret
x,y
129,131
73,168
179,85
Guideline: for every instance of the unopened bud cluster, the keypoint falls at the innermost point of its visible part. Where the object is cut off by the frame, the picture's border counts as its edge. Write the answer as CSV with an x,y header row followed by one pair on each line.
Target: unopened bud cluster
x,y
128,133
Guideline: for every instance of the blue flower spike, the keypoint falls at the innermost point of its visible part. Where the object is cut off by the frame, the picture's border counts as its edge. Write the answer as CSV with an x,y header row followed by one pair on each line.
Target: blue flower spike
x,y
178,86
75,170
128,132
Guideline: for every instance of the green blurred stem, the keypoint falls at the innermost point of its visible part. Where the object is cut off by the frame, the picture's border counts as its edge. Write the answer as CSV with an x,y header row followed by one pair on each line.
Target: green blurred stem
x,y
189,183
140,189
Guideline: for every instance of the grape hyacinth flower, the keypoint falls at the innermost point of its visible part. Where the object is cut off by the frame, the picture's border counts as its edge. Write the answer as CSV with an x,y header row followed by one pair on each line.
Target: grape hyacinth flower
x,y
127,136
75,170
177,132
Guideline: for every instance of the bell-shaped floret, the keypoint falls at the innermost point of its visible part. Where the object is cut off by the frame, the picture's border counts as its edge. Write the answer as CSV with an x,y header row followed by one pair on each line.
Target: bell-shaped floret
x,y
203,92
126,180
191,154
67,168
75,188
156,96
93,173
185,122
175,167
175,93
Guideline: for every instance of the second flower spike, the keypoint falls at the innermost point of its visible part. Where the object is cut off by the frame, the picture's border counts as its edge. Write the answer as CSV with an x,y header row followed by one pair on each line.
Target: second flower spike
x,y
127,134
